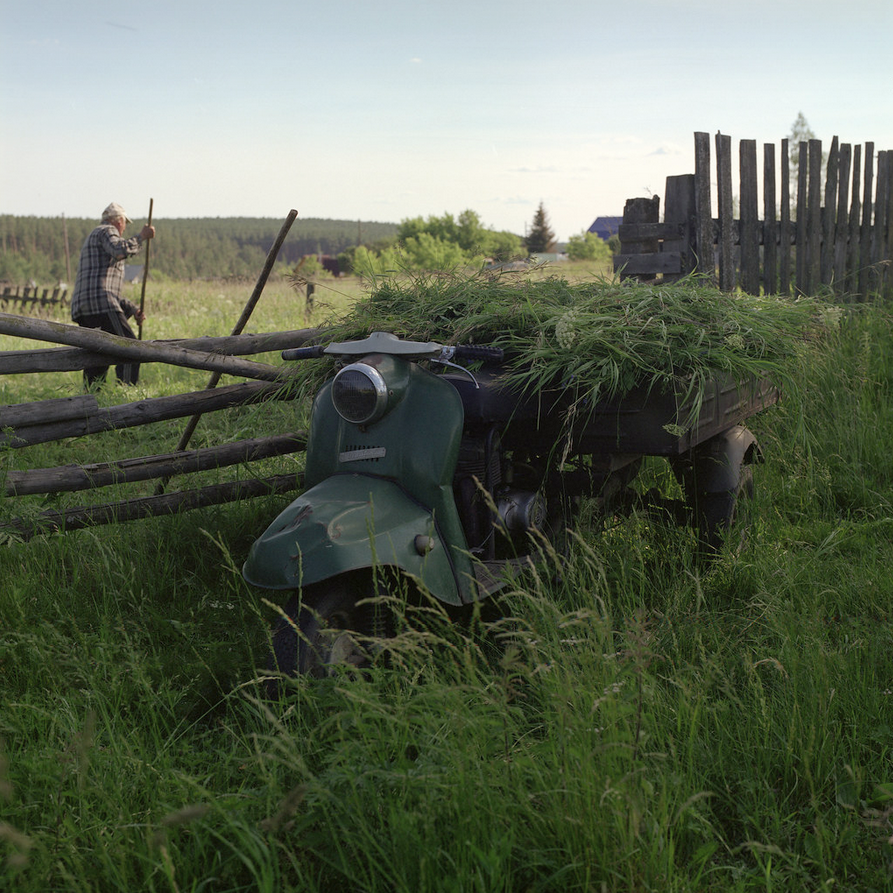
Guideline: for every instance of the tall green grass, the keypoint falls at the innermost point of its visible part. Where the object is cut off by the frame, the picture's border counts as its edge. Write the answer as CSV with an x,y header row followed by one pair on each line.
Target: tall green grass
x,y
637,722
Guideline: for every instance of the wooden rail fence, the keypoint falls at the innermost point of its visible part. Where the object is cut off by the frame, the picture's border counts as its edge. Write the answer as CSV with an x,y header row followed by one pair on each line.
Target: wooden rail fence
x,y
29,424
832,229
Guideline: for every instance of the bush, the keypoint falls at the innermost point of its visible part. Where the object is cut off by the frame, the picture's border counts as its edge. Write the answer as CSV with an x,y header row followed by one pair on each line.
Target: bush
x,y
588,246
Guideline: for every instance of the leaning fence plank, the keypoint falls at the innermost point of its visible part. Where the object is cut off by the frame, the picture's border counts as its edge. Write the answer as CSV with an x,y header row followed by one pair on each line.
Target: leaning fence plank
x,y
724,204
784,233
749,234
865,228
71,478
144,412
828,216
149,506
842,227
852,258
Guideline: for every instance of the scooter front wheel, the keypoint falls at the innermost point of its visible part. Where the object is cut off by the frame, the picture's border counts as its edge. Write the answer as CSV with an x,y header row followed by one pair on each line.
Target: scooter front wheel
x,y
328,624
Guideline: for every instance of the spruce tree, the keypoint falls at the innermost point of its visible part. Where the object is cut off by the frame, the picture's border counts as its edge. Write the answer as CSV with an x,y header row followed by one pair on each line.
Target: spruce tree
x,y
541,238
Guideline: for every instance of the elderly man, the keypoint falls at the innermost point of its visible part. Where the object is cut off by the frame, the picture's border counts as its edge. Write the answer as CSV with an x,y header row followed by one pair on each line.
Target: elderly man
x,y
97,302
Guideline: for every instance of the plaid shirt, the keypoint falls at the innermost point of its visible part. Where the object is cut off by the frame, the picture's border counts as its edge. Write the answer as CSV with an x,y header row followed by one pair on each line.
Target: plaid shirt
x,y
100,277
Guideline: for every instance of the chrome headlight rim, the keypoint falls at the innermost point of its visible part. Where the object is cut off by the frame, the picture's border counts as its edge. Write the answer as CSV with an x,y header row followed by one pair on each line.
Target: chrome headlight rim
x,y
379,404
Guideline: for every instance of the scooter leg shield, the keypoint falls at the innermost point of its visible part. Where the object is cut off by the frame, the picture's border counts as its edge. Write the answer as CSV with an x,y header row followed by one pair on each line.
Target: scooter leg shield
x,y
348,522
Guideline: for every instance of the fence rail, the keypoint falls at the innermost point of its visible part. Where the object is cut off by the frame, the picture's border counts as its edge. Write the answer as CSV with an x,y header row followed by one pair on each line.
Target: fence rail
x,y
832,229
29,424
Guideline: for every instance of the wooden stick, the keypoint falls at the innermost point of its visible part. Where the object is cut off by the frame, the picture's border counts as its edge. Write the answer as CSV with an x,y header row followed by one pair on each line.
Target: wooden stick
x,y
145,272
240,325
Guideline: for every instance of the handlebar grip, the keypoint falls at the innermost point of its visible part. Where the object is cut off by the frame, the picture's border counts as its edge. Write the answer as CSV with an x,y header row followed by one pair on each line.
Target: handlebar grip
x,y
479,352
303,353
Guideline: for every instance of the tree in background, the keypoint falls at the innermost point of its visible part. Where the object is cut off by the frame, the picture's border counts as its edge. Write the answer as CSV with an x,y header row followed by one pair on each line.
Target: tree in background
x,y
541,238
801,132
438,243
588,246
467,232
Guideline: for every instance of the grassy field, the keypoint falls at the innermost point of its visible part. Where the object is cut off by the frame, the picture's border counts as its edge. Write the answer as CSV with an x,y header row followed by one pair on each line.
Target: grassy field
x,y
645,723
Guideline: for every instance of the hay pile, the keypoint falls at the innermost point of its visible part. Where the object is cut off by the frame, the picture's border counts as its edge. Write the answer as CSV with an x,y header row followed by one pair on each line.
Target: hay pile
x,y
600,338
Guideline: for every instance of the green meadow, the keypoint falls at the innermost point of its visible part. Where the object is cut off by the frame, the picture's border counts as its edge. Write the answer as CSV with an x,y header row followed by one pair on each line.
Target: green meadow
x,y
639,721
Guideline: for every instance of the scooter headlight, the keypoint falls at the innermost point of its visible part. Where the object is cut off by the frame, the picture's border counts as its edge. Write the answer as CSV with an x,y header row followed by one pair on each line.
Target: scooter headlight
x,y
359,394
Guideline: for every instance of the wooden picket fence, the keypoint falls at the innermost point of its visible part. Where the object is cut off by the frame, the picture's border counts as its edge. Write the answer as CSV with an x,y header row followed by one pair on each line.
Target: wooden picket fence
x,y
833,232
29,424
32,298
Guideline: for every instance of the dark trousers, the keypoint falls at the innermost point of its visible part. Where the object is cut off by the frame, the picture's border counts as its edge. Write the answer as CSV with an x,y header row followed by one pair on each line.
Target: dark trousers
x,y
114,324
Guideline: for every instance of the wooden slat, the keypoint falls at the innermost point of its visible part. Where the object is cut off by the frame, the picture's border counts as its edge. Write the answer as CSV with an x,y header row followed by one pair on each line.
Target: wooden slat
x,y
865,227
770,223
703,234
828,214
801,283
842,224
784,230
724,199
887,252
679,208
749,235
852,258
814,219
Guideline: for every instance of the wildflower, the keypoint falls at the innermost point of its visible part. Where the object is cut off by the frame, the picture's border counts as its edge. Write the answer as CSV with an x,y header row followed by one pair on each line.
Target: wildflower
x,y
735,341
831,317
565,330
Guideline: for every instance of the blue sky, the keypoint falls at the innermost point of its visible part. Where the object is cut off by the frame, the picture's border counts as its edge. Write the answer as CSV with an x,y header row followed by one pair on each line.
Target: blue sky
x,y
361,109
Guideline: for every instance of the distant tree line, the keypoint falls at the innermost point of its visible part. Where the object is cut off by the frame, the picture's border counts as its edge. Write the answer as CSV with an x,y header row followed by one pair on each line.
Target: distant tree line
x,y
46,249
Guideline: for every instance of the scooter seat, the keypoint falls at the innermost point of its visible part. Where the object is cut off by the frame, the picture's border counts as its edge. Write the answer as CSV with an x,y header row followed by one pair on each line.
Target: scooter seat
x,y
488,401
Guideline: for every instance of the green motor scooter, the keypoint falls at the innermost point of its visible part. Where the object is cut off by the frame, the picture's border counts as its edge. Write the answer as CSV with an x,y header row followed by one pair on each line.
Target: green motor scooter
x,y
396,475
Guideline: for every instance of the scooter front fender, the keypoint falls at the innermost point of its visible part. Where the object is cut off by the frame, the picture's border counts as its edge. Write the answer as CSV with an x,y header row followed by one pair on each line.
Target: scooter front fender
x,y
351,521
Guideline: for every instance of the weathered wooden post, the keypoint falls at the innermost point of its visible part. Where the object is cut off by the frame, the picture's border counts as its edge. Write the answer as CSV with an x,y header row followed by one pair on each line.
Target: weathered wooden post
x,y
748,228
679,212
705,255
638,236
770,223
726,237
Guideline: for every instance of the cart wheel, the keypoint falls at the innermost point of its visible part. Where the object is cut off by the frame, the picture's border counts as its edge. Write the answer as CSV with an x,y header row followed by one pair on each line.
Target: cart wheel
x,y
721,517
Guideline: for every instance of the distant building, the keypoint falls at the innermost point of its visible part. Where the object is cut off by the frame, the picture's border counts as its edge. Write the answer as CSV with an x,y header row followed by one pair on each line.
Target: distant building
x,y
605,227
133,272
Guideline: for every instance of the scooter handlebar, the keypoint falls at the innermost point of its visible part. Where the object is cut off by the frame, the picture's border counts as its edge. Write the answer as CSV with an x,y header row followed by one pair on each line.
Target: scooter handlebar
x,y
314,352
478,352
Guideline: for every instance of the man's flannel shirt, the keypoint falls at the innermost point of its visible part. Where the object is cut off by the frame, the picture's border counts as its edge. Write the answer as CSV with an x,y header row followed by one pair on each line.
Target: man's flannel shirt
x,y
100,277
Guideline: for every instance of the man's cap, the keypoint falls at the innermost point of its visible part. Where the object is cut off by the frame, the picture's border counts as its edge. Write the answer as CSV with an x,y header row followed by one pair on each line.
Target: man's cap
x,y
113,211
